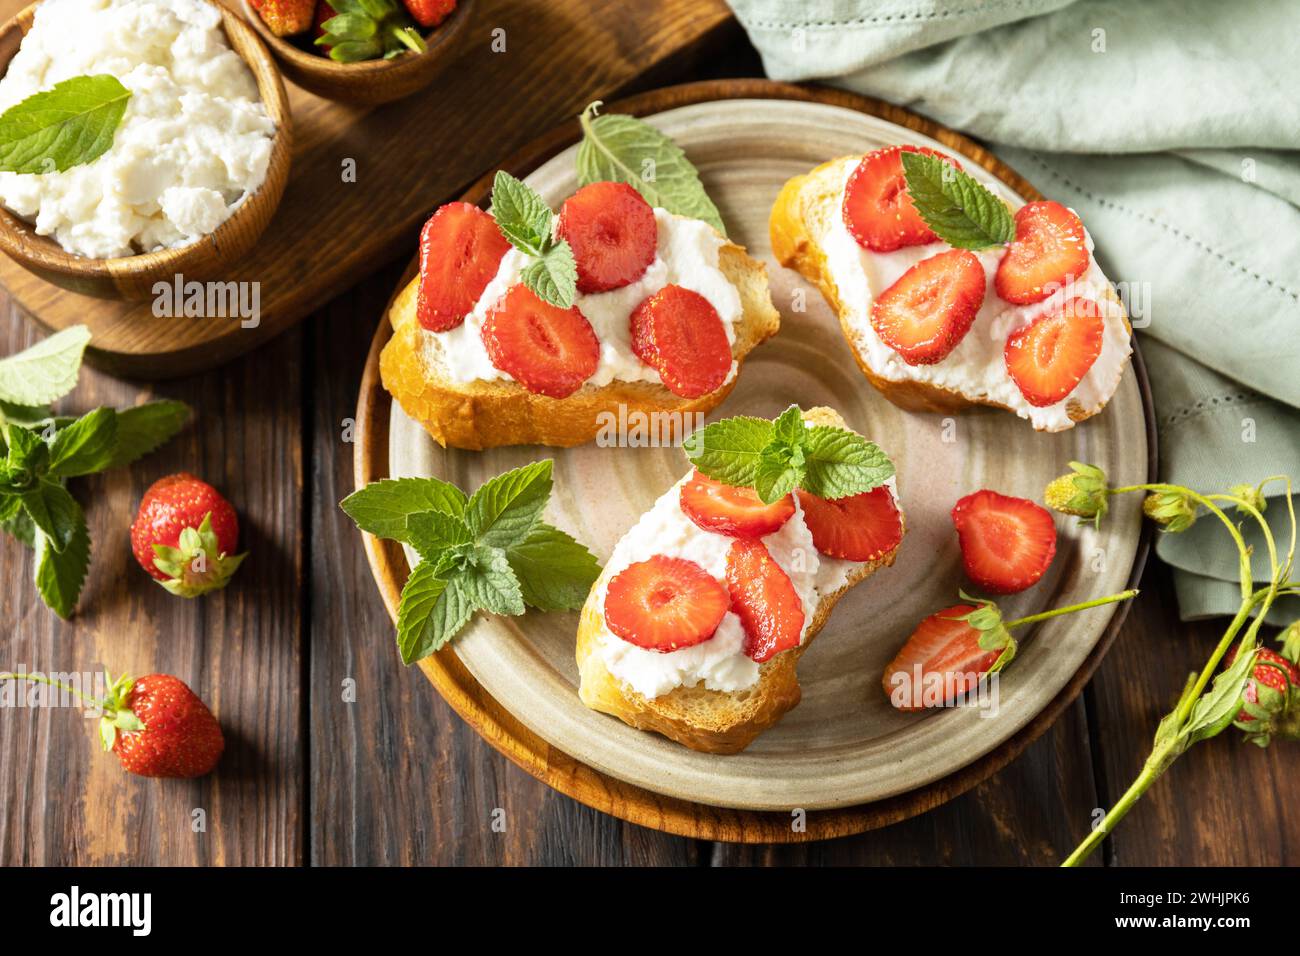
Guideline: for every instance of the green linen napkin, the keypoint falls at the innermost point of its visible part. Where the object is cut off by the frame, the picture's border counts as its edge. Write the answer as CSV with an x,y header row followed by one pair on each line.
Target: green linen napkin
x,y
1173,128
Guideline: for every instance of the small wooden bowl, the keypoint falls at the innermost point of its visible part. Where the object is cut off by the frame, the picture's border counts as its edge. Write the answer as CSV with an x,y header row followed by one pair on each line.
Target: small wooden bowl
x,y
369,82
133,277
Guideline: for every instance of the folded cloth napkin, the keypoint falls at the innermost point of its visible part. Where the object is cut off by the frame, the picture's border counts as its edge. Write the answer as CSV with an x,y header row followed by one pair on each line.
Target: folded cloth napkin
x,y
1173,128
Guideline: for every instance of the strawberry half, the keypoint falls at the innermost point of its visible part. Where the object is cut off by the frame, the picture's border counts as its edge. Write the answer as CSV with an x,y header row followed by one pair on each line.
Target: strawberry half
x,y
928,311
727,509
664,604
1006,543
1049,251
764,599
942,656
612,232
1048,358
877,209
678,333
460,251
548,350
857,528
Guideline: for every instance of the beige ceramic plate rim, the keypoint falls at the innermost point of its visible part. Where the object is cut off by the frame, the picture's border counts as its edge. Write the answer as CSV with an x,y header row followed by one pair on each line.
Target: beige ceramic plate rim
x,y
762,779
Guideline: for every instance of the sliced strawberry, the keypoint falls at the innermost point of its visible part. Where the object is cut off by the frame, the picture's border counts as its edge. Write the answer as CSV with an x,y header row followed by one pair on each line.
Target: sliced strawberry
x,y
928,311
877,208
1006,543
1049,251
548,350
665,604
1049,357
857,528
612,232
764,599
726,509
942,652
678,333
460,250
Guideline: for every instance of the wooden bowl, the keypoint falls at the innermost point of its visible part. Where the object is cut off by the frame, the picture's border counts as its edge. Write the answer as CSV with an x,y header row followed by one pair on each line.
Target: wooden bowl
x,y
133,277
369,82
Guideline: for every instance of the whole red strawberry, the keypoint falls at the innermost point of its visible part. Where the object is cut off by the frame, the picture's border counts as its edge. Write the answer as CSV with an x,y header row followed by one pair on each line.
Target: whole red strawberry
x,y
285,17
158,727
429,13
184,535
1271,701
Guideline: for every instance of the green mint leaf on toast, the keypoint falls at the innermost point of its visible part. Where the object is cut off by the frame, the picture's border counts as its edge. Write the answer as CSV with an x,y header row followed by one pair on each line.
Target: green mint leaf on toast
x,y
522,216
775,478
839,463
490,584
432,532
624,149
383,507
961,212
504,509
45,372
86,446
143,428
71,123
430,613
60,574
554,571
729,450
553,277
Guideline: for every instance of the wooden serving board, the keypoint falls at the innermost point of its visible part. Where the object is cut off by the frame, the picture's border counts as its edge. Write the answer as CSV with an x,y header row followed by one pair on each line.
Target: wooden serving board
x,y
327,233
841,741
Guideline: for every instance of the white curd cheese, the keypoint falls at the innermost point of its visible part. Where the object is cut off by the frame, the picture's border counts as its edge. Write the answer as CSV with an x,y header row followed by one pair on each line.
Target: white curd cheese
x,y
720,662
976,367
687,255
194,142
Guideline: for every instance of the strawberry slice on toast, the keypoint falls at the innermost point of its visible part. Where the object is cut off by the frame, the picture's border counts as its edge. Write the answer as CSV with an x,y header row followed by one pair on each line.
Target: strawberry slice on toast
x,y
928,311
549,350
1050,250
763,598
460,251
1048,358
612,232
664,604
727,509
678,333
877,209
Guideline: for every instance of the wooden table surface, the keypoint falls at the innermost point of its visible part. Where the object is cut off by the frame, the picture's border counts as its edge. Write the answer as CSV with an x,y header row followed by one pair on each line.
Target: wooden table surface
x,y
393,776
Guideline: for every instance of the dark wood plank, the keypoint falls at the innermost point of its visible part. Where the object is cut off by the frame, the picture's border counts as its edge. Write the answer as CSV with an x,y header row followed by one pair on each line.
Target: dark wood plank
x,y
63,801
396,777
1225,802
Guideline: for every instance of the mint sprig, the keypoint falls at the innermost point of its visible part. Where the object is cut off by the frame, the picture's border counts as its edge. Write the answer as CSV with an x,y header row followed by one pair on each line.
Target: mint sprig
x,y
955,205
40,452
70,124
488,551
527,224
775,457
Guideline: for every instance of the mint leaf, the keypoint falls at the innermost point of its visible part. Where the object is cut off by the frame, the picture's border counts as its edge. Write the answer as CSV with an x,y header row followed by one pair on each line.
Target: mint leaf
x,y
729,450
504,509
54,512
60,574
14,521
26,452
489,583
953,203
431,532
45,372
624,149
775,478
67,125
839,463
143,428
553,277
554,571
430,613
383,507
86,446
521,214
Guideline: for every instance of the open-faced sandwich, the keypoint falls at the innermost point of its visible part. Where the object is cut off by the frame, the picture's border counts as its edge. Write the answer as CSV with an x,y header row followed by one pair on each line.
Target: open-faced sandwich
x,y
523,327
948,299
695,627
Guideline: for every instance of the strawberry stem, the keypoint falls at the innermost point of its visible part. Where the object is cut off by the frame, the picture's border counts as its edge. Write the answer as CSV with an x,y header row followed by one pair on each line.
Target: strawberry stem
x,y
1070,609
42,679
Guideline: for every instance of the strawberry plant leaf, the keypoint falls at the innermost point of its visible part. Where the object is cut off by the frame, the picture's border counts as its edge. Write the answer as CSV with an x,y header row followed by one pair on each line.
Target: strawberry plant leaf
x,y
504,509
730,450
383,507
60,574
839,463
70,124
143,428
85,446
961,211
554,571
1214,711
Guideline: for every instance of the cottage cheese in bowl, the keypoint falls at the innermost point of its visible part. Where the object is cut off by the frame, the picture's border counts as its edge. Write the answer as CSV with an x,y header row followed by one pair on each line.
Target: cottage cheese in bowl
x,y
195,140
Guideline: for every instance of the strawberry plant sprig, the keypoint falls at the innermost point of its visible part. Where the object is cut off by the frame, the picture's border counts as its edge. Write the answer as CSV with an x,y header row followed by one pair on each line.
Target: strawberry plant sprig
x,y
40,451
488,551
1258,691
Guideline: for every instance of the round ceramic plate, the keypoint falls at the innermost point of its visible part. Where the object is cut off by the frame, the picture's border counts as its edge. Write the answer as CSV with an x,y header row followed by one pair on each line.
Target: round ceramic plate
x,y
844,744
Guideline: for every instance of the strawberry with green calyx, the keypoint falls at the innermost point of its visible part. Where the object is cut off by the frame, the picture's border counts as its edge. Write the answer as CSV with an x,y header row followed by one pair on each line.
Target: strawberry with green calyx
x,y
1174,511
1251,496
155,724
1271,699
369,30
184,535
1081,493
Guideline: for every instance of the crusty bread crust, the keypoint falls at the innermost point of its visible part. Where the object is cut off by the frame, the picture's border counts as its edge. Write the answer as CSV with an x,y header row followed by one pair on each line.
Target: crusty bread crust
x,y
486,414
800,218
710,721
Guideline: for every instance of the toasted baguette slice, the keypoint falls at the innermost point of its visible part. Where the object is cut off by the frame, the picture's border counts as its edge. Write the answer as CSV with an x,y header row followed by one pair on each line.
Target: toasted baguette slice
x,y
707,720
485,414
801,218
